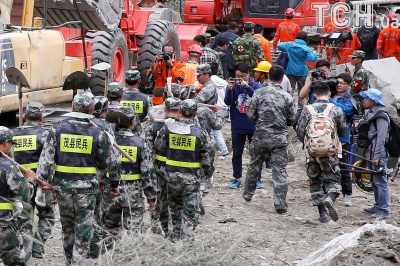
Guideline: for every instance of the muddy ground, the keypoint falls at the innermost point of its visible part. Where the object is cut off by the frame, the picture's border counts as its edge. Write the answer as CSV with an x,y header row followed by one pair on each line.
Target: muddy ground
x,y
234,232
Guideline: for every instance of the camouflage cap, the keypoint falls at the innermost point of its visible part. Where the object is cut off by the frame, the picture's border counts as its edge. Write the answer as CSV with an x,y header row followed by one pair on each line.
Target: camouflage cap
x,y
83,101
203,69
115,89
6,134
175,89
173,103
100,104
34,110
358,53
189,107
132,75
127,110
248,25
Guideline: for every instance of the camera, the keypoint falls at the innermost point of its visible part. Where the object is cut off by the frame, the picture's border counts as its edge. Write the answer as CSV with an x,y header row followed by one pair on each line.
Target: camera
x,y
235,80
166,56
318,74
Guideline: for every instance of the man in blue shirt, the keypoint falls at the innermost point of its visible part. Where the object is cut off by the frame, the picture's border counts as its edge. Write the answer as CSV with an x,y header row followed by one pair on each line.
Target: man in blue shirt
x,y
237,97
298,53
342,99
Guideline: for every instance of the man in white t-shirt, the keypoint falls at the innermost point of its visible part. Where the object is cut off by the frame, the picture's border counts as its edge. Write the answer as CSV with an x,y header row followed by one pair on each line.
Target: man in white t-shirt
x,y
220,84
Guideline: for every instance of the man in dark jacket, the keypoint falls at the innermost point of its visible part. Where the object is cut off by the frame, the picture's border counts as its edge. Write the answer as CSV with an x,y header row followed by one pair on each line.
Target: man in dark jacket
x,y
238,97
368,38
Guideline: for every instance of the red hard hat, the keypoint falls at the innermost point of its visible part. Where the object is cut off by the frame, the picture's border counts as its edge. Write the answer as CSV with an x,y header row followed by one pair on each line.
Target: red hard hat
x,y
195,48
392,17
289,12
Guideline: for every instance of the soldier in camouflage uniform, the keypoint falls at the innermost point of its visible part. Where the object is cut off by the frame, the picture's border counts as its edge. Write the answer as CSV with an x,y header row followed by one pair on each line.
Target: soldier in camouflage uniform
x,y
248,49
128,208
273,111
208,92
100,113
172,106
189,155
29,140
324,175
115,93
132,97
360,76
14,191
72,155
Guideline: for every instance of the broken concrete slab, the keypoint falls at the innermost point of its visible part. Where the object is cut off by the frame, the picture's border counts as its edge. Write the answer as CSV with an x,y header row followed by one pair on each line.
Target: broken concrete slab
x,y
330,250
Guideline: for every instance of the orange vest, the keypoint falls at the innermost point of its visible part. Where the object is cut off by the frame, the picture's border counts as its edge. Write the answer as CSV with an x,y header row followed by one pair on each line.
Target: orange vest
x,y
388,42
265,46
190,77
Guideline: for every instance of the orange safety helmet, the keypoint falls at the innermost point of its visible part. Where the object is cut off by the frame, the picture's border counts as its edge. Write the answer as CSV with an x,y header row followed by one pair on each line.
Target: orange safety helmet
x,y
289,12
195,48
392,16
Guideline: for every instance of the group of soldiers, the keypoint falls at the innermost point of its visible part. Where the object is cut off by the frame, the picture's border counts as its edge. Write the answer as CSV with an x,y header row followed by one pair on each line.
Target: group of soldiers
x,y
99,190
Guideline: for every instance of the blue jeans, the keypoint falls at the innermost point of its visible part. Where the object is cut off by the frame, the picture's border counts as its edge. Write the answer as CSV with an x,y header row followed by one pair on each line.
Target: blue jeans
x,y
381,191
220,141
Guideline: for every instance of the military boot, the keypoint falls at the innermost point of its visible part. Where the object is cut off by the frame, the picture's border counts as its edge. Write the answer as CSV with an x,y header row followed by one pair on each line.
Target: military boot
x,y
329,203
323,214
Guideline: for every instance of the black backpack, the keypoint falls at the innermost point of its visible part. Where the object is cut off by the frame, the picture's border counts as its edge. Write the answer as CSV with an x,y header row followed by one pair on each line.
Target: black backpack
x,y
367,39
393,143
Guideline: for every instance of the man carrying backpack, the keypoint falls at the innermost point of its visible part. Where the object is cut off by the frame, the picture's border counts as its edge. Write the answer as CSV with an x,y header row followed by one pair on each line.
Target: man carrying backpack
x,y
368,37
322,122
376,151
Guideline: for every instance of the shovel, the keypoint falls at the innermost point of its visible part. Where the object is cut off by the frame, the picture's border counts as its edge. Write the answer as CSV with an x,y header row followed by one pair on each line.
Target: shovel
x,y
75,81
15,77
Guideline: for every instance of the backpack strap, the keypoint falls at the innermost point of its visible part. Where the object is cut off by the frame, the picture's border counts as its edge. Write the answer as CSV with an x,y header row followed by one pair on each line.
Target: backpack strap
x,y
328,109
311,110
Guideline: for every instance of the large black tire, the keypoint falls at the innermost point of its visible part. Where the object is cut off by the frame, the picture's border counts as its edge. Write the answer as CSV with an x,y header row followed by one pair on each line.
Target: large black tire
x,y
157,34
109,47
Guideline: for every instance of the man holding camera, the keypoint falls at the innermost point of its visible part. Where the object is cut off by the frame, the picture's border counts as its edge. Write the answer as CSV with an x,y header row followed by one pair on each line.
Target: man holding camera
x,y
323,70
238,95
166,66
342,99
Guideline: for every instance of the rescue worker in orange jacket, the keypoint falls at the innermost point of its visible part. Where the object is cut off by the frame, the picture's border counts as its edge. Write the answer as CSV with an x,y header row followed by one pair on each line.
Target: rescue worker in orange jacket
x,y
191,65
287,30
345,49
166,66
388,43
265,45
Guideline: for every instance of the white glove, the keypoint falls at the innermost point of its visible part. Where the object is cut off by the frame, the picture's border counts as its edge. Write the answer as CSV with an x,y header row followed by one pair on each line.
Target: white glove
x,y
40,198
18,207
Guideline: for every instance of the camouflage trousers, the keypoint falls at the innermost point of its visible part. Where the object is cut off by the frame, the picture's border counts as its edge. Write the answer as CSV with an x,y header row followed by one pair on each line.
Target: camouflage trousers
x,y
259,152
95,243
11,244
76,216
324,177
127,209
25,227
183,200
45,224
161,211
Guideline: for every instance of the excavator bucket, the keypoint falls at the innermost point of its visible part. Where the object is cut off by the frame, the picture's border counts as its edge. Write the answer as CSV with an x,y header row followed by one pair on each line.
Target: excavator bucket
x,y
102,15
